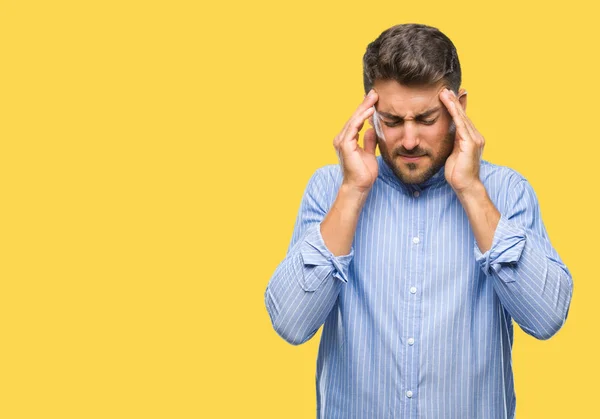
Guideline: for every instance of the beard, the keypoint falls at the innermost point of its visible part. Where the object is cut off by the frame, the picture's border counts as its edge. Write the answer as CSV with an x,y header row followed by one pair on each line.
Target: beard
x,y
430,164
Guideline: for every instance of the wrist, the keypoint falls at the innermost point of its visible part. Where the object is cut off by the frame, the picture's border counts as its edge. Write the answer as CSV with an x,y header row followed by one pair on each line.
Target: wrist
x,y
352,195
473,193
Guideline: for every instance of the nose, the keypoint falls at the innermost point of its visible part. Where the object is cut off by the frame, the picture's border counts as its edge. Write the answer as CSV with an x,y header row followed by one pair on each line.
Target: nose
x,y
410,138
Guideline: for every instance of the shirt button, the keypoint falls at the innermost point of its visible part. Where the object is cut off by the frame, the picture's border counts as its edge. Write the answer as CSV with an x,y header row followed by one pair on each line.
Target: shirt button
x,y
409,394
416,194
413,290
416,240
411,341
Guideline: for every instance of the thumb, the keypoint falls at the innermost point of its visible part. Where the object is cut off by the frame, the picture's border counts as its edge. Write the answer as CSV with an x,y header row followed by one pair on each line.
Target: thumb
x,y
370,141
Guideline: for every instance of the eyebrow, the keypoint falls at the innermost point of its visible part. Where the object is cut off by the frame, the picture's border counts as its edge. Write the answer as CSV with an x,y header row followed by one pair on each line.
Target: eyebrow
x,y
419,116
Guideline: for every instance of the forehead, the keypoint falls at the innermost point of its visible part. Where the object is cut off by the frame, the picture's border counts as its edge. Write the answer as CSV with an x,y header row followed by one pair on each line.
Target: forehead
x,y
406,101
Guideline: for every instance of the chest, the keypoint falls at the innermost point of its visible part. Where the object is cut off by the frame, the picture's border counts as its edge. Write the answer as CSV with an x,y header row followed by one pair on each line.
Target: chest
x,y
403,241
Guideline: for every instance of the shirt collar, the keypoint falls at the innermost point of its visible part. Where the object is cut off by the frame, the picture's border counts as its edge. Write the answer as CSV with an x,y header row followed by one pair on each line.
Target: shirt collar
x,y
386,174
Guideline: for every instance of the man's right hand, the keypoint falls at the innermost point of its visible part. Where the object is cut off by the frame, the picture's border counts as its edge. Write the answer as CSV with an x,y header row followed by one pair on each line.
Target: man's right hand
x,y
359,165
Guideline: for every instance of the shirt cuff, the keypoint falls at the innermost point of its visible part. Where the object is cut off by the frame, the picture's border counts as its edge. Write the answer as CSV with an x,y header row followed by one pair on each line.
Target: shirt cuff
x,y
507,246
320,262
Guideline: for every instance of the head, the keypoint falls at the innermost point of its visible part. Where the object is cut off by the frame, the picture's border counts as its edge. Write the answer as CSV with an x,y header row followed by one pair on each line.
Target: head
x,y
408,66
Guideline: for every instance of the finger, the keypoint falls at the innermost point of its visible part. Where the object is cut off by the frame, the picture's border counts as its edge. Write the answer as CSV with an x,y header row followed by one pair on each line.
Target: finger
x,y
468,123
369,100
457,117
356,124
475,135
459,121
370,140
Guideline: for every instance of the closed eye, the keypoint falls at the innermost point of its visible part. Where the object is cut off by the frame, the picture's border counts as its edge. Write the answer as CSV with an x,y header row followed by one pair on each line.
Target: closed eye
x,y
422,121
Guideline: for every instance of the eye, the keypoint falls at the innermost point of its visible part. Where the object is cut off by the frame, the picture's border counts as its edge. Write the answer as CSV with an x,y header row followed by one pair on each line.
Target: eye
x,y
428,121
391,124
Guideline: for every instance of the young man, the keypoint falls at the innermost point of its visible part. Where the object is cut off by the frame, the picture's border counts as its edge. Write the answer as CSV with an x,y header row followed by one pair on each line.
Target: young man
x,y
418,261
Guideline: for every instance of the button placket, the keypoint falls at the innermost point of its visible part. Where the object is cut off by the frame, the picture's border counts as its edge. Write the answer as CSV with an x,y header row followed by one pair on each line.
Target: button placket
x,y
414,299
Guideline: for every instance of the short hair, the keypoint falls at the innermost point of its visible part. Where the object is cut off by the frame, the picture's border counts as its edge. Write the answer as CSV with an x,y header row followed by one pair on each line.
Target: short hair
x,y
413,55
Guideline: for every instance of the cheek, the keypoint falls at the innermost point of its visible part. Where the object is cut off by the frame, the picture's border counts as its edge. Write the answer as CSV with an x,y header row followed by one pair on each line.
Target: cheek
x,y
390,131
442,127
435,131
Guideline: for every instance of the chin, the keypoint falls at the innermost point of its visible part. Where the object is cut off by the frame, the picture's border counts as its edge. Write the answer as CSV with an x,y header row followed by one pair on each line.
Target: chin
x,y
411,176
414,179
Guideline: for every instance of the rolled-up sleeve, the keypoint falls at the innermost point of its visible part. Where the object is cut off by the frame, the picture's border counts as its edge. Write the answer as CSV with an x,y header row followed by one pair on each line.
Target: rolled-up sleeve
x,y
320,263
305,285
506,249
530,279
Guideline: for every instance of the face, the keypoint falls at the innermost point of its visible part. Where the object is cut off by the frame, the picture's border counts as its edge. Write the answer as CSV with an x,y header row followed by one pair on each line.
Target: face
x,y
418,130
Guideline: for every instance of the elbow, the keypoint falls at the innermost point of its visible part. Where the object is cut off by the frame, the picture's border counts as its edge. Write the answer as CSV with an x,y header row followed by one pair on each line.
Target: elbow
x,y
558,317
546,333
288,330
293,337
284,325
553,325
543,333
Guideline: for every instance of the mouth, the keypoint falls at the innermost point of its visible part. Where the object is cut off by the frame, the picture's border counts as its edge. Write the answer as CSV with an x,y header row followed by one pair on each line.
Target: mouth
x,y
411,158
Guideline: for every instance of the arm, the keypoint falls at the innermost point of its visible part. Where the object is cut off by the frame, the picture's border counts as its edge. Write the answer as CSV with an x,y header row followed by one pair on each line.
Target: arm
x,y
305,285
529,277
531,281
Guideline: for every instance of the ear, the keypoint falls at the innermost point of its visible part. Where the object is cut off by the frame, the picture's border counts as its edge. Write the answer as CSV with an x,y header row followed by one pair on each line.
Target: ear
x,y
462,98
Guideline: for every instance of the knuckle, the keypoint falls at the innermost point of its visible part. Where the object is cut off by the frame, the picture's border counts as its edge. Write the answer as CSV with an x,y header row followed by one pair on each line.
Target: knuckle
x,y
353,121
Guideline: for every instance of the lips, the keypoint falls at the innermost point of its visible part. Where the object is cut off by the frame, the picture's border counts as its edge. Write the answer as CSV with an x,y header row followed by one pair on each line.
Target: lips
x,y
411,158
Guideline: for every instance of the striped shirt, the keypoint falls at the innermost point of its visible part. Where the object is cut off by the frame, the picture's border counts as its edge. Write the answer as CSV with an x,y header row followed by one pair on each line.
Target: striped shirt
x,y
417,322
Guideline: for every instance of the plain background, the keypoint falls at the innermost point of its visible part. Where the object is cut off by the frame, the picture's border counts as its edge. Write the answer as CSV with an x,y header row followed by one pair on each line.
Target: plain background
x,y
153,158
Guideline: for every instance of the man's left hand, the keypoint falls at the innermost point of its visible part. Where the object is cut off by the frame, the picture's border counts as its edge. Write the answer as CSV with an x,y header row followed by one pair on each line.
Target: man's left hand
x,y
462,166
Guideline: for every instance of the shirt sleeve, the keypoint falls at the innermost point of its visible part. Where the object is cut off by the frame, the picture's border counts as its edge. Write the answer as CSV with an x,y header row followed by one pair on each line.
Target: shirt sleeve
x,y
532,282
305,285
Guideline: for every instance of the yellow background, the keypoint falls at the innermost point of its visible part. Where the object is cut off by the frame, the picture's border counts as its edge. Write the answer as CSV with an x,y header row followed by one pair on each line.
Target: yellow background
x,y
153,158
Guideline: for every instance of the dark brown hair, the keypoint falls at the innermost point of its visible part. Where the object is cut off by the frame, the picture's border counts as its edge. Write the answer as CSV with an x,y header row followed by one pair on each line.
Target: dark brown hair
x,y
413,55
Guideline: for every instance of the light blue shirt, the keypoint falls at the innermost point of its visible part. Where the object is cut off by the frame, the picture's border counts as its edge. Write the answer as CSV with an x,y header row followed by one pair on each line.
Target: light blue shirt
x,y
418,323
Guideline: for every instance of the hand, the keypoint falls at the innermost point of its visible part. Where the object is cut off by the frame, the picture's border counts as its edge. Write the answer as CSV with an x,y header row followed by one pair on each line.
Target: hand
x,y
359,165
462,166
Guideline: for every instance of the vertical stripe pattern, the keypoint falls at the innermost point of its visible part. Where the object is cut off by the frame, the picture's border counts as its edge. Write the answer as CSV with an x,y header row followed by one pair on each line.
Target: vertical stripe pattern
x,y
417,322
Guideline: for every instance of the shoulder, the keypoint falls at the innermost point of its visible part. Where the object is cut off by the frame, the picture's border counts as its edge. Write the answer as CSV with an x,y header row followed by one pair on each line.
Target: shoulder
x,y
324,184
328,177
502,179
504,185
502,175
330,173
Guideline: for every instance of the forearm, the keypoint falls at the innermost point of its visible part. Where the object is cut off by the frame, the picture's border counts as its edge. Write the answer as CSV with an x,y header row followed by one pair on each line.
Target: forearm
x,y
532,284
536,290
299,297
482,214
305,286
339,226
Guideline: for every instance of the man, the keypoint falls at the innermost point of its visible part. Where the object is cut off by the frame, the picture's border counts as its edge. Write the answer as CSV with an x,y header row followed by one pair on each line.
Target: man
x,y
416,261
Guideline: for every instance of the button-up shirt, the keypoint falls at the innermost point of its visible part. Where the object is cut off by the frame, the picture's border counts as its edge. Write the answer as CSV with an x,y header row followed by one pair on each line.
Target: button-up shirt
x,y
417,322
